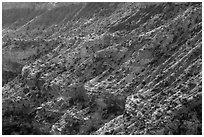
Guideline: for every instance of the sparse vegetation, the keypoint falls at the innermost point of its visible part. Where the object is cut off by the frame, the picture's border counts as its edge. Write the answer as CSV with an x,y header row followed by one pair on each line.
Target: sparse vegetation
x,y
102,68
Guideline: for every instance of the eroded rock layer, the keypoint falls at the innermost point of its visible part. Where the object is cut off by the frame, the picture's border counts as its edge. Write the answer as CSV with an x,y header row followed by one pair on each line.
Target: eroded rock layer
x,y
104,68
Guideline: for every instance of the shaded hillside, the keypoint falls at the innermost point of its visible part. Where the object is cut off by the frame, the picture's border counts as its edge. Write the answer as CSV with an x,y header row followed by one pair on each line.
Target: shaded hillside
x,y
19,17
106,69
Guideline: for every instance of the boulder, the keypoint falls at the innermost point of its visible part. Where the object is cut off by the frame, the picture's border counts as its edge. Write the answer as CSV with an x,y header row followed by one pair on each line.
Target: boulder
x,y
25,71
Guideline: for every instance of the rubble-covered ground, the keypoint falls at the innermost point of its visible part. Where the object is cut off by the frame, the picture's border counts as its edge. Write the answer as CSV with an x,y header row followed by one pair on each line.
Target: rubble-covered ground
x,y
102,68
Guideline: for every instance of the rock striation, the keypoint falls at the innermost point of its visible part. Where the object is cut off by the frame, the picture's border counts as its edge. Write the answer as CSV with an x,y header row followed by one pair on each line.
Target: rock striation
x,y
105,69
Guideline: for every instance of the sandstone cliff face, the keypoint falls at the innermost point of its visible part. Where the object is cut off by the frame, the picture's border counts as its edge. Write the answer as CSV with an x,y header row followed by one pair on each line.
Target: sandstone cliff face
x,y
108,68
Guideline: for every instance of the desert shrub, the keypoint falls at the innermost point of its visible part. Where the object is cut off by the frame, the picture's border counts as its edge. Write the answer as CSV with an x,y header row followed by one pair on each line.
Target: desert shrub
x,y
20,121
115,106
187,120
8,76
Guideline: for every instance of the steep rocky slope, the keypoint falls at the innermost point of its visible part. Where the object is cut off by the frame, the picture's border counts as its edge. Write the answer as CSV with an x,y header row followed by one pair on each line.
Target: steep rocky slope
x,y
106,68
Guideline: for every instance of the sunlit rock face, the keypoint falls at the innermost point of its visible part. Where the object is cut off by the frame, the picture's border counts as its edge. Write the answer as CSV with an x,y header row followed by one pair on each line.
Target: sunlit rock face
x,y
102,68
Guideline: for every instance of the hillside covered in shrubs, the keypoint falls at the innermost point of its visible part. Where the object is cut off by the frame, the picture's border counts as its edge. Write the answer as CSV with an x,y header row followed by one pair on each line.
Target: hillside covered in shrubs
x,y
102,68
